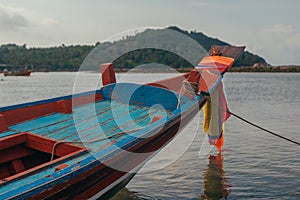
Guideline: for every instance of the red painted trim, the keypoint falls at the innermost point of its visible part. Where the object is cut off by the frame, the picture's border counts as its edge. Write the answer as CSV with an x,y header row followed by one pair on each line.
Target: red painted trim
x,y
3,124
15,152
174,83
87,99
108,73
22,114
60,167
64,106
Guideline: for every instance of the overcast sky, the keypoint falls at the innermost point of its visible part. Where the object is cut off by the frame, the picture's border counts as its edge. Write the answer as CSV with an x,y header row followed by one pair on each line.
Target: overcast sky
x,y
270,28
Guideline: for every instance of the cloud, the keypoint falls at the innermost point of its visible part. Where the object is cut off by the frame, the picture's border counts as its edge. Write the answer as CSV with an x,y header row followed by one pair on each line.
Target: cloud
x,y
49,21
282,28
11,20
290,38
285,35
19,18
279,44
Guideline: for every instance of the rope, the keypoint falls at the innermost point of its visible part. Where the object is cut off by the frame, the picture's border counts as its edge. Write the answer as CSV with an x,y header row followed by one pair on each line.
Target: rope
x,y
87,142
188,88
251,123
183,87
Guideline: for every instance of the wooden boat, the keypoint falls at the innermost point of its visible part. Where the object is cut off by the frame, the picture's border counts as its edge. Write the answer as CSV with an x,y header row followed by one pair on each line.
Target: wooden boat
x,y
24,72
90,145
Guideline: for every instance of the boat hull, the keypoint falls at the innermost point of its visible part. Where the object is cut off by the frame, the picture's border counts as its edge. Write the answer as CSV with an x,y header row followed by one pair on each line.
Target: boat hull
x,y
27,73
103,181
95,178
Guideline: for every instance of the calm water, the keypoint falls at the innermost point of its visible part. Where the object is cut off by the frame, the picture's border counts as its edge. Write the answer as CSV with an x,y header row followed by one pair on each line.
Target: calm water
x,y
254,165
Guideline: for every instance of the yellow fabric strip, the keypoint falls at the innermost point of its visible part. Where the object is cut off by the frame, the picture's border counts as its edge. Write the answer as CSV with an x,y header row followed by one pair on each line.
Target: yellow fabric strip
x,y
206,115
211,115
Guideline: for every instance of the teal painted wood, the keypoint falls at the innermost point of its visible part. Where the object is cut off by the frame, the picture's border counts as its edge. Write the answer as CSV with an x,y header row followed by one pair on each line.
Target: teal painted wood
x,y
61,126
142,95
8,133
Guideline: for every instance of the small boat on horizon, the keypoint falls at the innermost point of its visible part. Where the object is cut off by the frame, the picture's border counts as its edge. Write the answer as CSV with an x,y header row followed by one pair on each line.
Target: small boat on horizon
x,y
23,72
90,145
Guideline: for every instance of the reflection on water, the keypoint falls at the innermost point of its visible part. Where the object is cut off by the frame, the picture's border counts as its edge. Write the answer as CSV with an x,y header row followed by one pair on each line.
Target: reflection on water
x,y
126,194
215,184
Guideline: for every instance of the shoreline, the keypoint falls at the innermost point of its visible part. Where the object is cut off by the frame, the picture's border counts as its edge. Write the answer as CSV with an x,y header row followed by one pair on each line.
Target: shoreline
x,y
271,69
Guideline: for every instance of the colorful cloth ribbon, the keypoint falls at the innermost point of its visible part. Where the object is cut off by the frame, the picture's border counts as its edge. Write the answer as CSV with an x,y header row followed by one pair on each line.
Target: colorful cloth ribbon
x,y
215,115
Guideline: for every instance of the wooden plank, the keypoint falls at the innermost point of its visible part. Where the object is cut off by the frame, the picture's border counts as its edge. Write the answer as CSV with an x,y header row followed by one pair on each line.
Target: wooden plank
x,y
12,140
46,145
111,128
67,128
18,165
96,146
48,124
14,153
8,133
56,119
108,125
41,122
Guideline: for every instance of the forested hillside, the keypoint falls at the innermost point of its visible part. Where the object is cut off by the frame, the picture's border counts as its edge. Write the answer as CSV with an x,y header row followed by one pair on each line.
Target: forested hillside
x,y
69,58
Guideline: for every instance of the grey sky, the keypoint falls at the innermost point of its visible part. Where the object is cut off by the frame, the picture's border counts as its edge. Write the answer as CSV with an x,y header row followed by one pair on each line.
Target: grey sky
x,y
269,28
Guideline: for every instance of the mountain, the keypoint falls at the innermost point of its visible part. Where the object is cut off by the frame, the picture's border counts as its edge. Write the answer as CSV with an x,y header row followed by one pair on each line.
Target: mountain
x,y
246,59
171,46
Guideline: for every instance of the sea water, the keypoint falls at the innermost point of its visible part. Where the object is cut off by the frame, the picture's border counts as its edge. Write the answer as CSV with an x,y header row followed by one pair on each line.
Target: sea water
x,y
253,165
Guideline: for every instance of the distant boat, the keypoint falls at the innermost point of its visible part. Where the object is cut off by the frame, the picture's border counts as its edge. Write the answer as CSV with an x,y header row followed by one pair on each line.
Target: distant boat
x,y
90,145
23,72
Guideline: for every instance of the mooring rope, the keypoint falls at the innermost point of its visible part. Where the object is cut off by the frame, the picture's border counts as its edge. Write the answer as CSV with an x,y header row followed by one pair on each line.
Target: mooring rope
x,y
251,123
89,141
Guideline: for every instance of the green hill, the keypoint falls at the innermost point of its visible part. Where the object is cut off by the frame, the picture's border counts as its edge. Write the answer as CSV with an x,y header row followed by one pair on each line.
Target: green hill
x,y
69,58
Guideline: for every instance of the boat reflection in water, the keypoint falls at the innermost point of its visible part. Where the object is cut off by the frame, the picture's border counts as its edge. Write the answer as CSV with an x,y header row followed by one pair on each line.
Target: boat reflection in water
x,y
215,184
125,193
